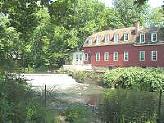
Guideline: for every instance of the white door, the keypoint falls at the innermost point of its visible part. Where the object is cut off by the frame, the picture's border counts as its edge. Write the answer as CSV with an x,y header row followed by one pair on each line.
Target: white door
x,y
79,59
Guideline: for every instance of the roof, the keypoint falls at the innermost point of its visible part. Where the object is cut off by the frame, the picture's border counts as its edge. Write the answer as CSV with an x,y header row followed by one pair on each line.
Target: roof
x,y
107,37
113,31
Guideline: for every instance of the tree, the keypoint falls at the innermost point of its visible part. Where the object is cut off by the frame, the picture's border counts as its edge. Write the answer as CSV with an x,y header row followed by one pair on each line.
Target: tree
x,y
43,29
156,17
9,44
21,15
140,2
130,12
79,17
22,18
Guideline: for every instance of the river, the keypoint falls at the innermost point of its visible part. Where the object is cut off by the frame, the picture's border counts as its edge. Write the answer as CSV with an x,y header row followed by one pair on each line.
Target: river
x,y
71,90
118,106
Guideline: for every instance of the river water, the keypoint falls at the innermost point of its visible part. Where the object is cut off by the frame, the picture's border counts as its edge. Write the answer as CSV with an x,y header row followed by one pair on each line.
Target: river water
x,y
66,87
116,106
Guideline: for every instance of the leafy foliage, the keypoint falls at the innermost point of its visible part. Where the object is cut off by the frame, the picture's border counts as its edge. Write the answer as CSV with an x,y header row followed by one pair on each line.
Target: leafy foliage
x,y
140,2
44,34
129,106
150,79
15,96
156,17
83,76
129,12
9,44
40,36
77,114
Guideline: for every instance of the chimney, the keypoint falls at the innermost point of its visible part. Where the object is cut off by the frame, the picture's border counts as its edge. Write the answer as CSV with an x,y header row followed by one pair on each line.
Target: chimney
x,y
137,25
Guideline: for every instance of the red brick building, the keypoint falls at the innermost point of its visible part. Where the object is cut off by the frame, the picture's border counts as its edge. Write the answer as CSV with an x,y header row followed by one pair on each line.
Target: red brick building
x,y
133,46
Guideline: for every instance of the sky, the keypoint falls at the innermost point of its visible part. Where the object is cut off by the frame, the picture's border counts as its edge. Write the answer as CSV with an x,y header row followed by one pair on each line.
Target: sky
x,y
153,3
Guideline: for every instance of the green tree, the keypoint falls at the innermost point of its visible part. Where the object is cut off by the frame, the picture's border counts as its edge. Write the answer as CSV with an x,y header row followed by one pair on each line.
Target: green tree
x,y
140,2
9,44
45,29
157,17
130,12
21,15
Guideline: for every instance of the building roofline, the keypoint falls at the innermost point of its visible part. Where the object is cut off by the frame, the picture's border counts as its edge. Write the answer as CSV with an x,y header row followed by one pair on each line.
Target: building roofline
x,y
132,43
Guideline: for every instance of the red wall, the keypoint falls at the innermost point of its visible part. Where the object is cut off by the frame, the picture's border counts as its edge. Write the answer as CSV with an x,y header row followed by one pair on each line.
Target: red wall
x,y
133,55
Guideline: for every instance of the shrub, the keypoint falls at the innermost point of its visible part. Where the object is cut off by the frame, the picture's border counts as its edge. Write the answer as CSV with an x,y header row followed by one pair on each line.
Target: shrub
x,y
129,106
18,102
149,79
84,76
76,114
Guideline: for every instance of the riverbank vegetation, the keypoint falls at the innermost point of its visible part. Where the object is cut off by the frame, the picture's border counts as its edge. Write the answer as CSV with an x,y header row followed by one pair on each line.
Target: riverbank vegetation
x,y
130,106
40,35
131,94
89,77
78,113
144,79
18,102
137,90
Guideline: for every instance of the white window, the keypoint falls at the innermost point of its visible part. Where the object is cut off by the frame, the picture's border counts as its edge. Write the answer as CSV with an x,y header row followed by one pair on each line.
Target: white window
x,y
154,55
142,37
80,57
116,37
87,41
107,38
90,41
115,56
153,37
97,40
106,56
126,56
77,57
86,56
142,55
126,36
98,56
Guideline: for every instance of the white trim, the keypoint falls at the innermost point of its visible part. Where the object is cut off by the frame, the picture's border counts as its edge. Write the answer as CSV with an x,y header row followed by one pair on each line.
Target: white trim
x,y
127,35
116,38
140,54
156,55
126,53
154,44
106,55
77,57
80,57
141,37
97,56
152,37
88,41
115,56
97,40
85,56
107,38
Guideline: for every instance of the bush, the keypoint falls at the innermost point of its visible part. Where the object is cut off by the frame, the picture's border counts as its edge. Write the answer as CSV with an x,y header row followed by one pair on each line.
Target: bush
x,y
86,77
77,114
148,79
17,101
129,106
